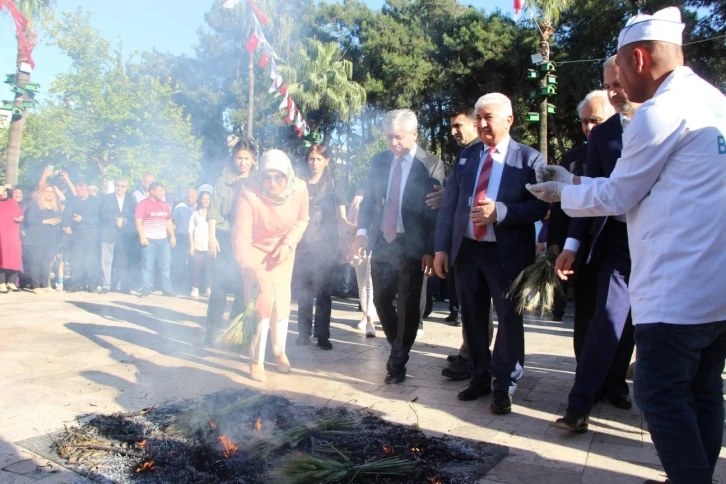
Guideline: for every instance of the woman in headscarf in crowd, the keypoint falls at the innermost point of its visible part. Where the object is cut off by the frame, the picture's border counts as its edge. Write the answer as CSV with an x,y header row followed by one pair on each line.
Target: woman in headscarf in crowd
x,y
43,231
317,253
221,217
11,254
18,195
362,265
270,220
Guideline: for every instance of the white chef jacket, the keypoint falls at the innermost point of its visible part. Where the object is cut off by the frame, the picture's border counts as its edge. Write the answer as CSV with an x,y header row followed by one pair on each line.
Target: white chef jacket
x,y
671,183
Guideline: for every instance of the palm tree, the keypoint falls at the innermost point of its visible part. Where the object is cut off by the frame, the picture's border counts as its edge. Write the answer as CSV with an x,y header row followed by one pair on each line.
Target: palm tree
x,y
546,15
31,9
320,82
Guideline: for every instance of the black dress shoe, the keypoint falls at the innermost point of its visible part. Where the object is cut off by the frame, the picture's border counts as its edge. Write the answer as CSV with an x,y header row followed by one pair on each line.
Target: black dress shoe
x,y
451,358
302,341
452,317
473,391
573,421
395,376
105,291
458,370
653,481
144,293
325,344
621,401
501,403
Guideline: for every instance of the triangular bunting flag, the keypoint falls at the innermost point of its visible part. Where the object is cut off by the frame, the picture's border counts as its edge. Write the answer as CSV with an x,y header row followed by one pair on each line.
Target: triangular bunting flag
x,y
285,102
258,13
265,58
252,44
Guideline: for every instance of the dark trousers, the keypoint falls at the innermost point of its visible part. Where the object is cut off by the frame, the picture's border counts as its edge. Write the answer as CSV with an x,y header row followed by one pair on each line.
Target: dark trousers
x,y
7,275
608,345
227,278
39,260
451,289
120,273
394,271
84,251
182,266
202,269
584,289
315,285
481,278
679,388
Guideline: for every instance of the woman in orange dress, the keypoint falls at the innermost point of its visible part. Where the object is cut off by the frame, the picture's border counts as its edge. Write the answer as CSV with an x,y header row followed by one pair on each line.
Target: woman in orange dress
x,y
271,217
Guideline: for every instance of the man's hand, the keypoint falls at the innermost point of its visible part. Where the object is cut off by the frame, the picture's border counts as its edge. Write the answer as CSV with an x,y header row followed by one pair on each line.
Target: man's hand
x,y
68,230
119,222
549,192
545,173
360,246
77,218
539,248
427,265
19,220
172,242
279,255
144,241
484,213
563,264
433,199
214,247
441,264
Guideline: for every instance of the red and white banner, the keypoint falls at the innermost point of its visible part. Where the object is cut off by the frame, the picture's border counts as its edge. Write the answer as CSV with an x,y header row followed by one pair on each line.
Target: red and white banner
x,y
21,27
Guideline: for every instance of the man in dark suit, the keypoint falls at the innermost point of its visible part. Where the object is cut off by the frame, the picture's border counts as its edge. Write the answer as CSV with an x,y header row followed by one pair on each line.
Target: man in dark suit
x,y
592,110
607,343
80,221
117,232
397,226
485,230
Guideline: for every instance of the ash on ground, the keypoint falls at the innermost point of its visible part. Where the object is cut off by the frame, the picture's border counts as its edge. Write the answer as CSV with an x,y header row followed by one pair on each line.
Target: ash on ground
x,y
247,437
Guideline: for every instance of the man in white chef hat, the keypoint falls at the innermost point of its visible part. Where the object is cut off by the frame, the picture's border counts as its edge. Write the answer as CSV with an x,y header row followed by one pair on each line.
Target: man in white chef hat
x,y
671,183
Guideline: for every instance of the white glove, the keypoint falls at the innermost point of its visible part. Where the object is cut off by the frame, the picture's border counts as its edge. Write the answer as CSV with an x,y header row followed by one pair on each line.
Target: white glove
x,y
545,173
549,192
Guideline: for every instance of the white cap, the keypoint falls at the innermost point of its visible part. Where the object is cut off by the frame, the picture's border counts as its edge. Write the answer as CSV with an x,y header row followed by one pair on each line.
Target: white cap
x,y
664,25
206,188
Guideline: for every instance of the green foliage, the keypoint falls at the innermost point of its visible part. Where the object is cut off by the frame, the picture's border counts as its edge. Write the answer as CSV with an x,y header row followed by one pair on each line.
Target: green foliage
x,y
106,117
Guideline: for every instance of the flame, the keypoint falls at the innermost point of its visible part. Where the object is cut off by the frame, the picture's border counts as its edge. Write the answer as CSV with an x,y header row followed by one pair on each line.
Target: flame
x,y
211,424
147,410
229,447
143,443
416,451
389,450
147,466
258,425
434,480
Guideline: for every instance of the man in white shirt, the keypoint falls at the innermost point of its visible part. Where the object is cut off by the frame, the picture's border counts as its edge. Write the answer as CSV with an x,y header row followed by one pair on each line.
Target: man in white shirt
x,y
671,183
397,226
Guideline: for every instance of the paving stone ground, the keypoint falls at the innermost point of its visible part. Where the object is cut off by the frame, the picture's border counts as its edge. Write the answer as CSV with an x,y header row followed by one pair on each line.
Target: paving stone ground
x,y
65,355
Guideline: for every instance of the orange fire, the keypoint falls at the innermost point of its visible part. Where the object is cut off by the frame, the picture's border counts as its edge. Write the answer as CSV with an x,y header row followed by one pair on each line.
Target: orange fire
x,y
147,466
229,447
143,443
416,451
434,480
211,424
389,450
147,410
258,425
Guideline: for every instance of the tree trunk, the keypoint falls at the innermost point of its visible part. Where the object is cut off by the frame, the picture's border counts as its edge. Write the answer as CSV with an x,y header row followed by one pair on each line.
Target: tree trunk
x,y
544,48
556,132
17,123
251,101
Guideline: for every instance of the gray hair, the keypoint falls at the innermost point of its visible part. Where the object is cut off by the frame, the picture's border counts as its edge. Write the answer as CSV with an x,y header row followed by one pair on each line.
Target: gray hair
x,y
121,179
496,99
400,119
610,61
599,94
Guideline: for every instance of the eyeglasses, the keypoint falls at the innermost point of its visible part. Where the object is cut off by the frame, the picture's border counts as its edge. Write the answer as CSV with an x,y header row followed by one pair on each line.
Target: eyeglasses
x,y
277,178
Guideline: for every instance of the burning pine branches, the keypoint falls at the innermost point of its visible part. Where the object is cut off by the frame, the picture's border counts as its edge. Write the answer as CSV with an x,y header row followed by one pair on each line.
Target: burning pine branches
x,y
245,437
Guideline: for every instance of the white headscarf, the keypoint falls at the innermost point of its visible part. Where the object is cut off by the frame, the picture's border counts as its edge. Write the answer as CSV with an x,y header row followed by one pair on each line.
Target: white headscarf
x,y
279,161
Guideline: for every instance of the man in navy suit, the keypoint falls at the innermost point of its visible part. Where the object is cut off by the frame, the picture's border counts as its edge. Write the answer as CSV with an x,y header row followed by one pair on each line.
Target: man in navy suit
x,y
116,221
604,348
397,227
485,230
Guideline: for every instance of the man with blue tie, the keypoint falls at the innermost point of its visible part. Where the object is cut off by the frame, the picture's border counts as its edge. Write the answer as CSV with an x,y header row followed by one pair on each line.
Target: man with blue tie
x,y
485,230
397,227
604,347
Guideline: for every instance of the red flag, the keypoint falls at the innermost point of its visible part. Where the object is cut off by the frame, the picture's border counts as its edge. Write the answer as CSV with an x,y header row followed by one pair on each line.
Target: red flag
x,y
260,16
21,25
265,59
253,42
518,5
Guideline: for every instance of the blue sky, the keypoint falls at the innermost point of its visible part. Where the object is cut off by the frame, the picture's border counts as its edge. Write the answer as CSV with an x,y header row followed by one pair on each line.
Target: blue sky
x,y
168,25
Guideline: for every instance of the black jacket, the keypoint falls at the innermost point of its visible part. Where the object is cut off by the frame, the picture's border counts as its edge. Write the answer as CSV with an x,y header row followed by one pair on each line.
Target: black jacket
x,y
574,162
109,212
419,221
89,210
